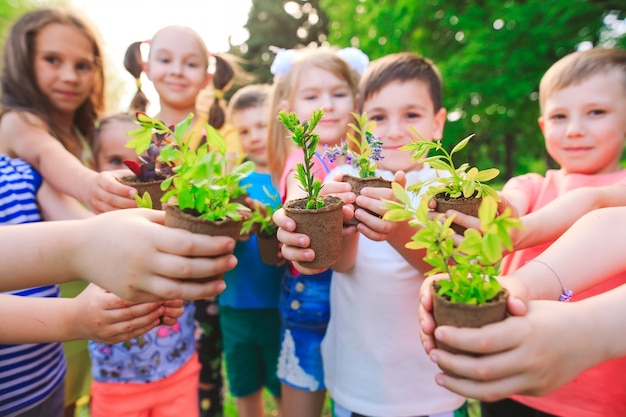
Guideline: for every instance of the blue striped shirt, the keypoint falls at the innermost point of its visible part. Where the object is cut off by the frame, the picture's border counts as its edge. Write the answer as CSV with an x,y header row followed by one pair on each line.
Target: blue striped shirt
x,y
28,373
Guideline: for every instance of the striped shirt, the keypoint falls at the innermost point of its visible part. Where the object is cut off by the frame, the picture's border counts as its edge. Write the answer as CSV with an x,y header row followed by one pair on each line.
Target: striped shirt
x,y
28,373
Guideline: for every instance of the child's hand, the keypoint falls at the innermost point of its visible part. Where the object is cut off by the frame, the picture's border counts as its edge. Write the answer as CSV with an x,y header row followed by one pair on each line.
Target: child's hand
x,y
131,253
527,355
173,310
294,246
104,317
343,190
106,193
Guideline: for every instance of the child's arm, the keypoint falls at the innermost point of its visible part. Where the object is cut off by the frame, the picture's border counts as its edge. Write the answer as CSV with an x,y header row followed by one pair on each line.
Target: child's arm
x,y
94,314
25,136
55,205
536,353
128,252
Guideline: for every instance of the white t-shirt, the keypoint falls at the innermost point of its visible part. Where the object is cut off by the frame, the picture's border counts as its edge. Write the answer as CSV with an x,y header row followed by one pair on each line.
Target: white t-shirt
x,y
374,362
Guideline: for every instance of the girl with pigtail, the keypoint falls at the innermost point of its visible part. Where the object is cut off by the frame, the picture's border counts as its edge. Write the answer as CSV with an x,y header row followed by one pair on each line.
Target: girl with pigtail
x,y
185,374
306,80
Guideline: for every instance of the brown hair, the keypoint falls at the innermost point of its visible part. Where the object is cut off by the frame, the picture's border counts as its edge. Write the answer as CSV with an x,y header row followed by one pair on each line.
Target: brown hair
x,y
226,70
403,66
19,91
578,66
248,97
284,89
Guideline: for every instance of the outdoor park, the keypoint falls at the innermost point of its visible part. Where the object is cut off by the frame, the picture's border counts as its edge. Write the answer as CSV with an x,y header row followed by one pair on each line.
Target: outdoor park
x,y
491,55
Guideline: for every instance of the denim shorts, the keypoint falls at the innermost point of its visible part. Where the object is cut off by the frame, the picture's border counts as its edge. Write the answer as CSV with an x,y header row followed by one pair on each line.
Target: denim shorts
x,y
305,311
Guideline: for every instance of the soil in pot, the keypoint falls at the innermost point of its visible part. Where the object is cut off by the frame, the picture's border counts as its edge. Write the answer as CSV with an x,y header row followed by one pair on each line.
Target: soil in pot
x,y
466,315
151,187
188,220
268,248
464,205
358,184
323,226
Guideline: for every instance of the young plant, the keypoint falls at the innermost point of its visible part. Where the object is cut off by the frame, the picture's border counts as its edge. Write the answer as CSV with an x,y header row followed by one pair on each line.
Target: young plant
x,y
362,153
472,264
461,181
148,140
304,137
261,218
200,181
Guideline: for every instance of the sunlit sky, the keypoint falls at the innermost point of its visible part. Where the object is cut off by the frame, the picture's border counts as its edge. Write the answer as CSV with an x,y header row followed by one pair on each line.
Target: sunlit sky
x,y
122,22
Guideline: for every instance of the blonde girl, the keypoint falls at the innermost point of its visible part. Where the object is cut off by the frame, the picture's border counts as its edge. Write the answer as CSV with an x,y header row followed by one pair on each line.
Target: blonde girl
x,y
52,92
306,80
178,65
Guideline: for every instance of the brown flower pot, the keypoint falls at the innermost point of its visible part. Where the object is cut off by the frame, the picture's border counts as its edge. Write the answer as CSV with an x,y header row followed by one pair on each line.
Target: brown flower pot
x,y
175,217
151,187
323,226
358,184
466,315
464,205
268,248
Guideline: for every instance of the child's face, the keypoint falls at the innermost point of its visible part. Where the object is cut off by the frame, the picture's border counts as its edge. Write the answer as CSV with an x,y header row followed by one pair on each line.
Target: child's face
x,y
584,125
112,151
320,88
251,125
177,67
64,67
395,108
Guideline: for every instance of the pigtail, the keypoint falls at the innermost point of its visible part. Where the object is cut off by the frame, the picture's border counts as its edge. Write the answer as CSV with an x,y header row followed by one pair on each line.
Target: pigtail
x,y
133,64
222,78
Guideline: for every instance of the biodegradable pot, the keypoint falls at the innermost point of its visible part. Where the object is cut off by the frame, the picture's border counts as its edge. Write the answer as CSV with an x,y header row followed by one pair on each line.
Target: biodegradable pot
x,y
464,205
323,226
466,315
175,217
269,246
357,185
151,187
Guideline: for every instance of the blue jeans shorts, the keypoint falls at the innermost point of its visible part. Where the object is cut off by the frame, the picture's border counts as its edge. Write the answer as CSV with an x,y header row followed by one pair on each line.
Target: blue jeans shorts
x,y
305,311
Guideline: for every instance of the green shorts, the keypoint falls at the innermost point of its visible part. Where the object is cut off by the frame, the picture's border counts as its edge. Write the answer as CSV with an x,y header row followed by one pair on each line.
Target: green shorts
x,y
251,340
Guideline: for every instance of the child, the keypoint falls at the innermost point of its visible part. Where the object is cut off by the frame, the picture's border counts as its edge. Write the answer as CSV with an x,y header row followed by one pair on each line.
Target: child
x,y
32,375
156,372
249,315
52,93
531,354
109,140
583,119
178,66
370,362
306,80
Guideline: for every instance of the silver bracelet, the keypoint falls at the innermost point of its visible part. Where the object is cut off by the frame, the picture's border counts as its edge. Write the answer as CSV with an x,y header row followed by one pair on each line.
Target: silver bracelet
x,y
566,295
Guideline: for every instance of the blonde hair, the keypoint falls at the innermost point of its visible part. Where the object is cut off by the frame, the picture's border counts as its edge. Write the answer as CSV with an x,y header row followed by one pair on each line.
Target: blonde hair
x,y
578,66
284,89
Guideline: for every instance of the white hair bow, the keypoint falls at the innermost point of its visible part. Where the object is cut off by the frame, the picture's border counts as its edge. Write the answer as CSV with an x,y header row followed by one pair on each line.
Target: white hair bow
x,y
356,59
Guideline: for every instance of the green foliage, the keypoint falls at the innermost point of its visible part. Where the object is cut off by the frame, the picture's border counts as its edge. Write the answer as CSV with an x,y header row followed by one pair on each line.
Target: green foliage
x,y
461,181
302,133
471,265
144,201
200,180
491,54
362,153
261,216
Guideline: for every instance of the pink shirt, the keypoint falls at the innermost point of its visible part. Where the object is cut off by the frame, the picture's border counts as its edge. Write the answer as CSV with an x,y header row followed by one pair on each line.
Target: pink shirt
x,y
321,167
601,390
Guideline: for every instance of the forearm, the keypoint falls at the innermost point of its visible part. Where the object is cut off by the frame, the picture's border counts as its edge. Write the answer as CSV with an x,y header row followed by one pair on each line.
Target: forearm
x,y
398,240
349,248
35,320
552,220
65,173
607,318
585,255
37,254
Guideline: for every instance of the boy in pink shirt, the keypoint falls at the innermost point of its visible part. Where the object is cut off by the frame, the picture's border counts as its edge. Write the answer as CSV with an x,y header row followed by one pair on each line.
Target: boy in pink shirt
x,y
583,119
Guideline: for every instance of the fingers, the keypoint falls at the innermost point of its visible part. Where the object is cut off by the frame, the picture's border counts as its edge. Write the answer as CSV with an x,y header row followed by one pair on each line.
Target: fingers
x,y
484,391
283,221
160,288
296,240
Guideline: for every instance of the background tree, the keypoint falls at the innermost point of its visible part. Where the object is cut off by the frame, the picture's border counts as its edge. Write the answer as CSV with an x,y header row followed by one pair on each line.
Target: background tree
x,y
492,54
279,24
